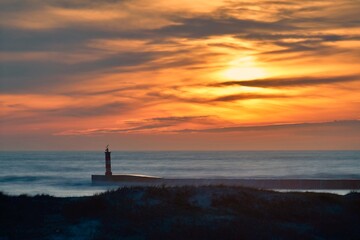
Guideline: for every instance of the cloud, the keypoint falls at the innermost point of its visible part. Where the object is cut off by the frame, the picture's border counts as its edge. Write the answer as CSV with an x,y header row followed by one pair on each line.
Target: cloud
x,y
290,82
181,97
171,119
200,27
112,108
19,76
139,58
49,14
247,96
163,125
28,114
345,123
107,91
158,124
81,25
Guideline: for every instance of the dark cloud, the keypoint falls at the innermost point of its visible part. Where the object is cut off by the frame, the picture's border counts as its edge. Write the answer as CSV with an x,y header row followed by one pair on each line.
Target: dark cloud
x,y
26,114
228,45
247,96
161,126
346,123
164,122
36,75
146,124
290,82
19,5
314,47
281,2
114,91
74,4
74,37
113,108
19,76
178,119
211,100
315,44
200,27
269,37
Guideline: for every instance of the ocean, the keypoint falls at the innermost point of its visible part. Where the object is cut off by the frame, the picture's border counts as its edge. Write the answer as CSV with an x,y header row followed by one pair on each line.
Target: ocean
x,y
69,173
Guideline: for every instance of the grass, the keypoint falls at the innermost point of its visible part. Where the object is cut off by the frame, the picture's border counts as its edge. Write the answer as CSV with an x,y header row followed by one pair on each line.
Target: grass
x,y
177,213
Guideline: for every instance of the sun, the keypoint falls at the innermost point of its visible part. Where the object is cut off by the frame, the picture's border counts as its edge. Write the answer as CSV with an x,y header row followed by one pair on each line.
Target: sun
x,y
244,73
244,69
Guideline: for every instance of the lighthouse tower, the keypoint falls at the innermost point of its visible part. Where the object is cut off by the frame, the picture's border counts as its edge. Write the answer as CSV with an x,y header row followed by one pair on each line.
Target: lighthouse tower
x,y
108,161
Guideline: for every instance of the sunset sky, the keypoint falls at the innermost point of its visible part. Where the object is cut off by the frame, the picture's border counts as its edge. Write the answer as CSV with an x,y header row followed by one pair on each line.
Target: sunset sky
x,y
179,75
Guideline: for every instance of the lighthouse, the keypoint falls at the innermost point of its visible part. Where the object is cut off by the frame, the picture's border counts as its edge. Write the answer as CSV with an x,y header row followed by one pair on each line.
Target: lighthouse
x,y
109,177
108,161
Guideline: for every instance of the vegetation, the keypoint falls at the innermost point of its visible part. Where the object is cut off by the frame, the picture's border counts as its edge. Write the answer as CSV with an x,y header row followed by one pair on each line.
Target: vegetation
x,y
208,212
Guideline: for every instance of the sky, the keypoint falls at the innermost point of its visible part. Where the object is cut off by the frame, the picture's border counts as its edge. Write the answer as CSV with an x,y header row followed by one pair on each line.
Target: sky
x,y
179,75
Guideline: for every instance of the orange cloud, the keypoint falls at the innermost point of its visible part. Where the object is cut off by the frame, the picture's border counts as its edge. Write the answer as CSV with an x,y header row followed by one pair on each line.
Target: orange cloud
x,y
155,67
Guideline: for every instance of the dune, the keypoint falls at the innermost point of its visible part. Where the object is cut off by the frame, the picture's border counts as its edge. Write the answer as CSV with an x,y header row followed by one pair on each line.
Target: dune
x,y
187,212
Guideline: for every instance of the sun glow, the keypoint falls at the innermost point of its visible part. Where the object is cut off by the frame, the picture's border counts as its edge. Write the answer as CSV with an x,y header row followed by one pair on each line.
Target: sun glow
x,y
244,73
244,69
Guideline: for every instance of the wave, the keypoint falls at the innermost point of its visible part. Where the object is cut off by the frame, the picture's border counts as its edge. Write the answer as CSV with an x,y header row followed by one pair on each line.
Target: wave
x,y
12,178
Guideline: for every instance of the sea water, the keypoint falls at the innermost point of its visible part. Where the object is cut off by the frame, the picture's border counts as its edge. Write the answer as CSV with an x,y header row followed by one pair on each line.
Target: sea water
x,y
69,173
